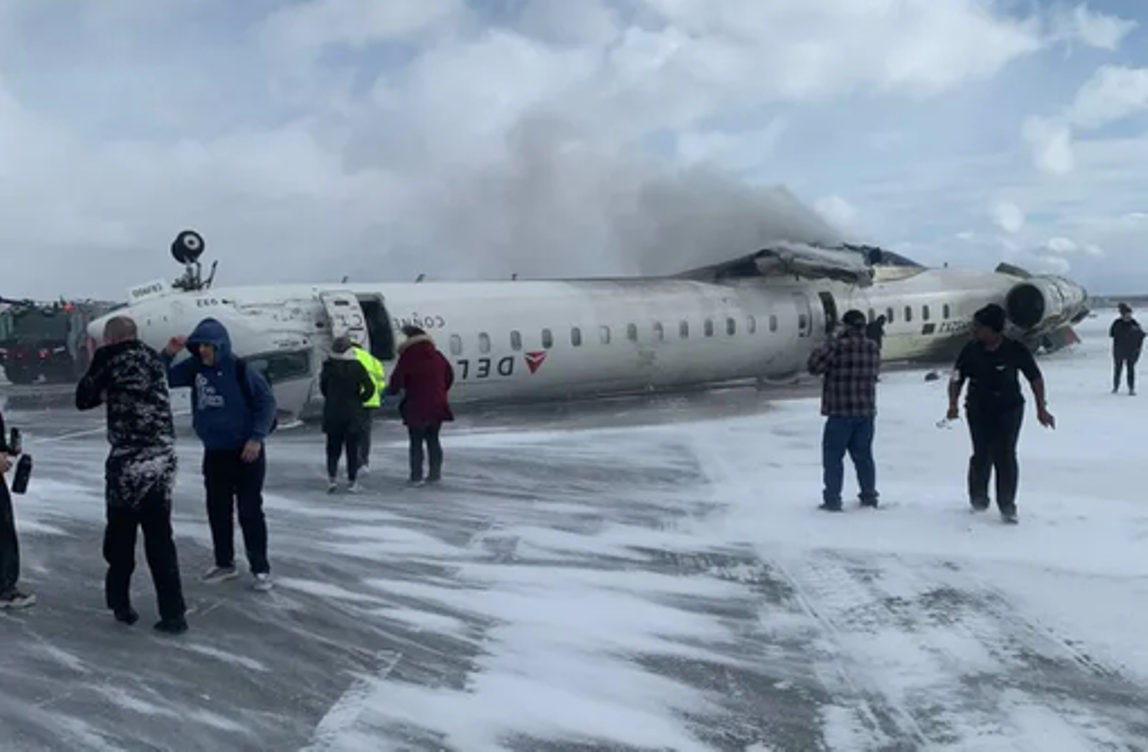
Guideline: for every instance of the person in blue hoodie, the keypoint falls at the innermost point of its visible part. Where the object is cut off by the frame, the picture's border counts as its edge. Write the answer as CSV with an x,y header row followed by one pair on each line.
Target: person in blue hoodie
x,y
233,410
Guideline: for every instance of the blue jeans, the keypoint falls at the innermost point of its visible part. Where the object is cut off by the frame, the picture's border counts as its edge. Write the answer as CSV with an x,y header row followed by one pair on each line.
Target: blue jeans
x,y
853,435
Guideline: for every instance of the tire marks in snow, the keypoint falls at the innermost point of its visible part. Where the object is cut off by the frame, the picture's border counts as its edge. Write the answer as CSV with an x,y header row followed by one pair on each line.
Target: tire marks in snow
x,y
928,656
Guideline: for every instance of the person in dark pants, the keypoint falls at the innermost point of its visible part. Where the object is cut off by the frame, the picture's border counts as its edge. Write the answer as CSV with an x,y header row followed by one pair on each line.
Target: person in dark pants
x,y
875,330
233,411
424,376
994,407
345,385
140,470
11,596
1127,341
849,364
372,402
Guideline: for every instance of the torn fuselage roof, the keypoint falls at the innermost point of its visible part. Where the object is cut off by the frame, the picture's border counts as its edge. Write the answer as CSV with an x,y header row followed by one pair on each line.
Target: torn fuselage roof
x,y
784,258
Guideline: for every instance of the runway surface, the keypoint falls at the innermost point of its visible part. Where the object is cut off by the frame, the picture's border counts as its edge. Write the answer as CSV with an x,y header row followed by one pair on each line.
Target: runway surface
x,y
647,576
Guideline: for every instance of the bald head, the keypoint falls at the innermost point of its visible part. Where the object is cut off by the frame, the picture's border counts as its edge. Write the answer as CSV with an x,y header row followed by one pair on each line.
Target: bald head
x,y
119,329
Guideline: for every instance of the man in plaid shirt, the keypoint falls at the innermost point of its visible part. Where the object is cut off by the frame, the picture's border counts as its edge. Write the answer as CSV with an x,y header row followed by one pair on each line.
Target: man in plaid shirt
x,y
849,364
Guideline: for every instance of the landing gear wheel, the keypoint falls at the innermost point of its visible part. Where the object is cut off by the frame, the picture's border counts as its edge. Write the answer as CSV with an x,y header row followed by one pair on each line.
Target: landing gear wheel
x,y
187,247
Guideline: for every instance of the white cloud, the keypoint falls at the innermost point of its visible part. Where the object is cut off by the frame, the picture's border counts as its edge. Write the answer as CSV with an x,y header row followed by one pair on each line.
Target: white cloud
x,y
1008,216
310,26
1112,94
1051,145
316,138
837,211
1094,29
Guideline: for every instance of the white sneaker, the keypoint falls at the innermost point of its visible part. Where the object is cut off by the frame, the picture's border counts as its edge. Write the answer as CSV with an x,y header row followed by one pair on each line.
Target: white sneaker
x,y
365,470
353,488
332,486
262,582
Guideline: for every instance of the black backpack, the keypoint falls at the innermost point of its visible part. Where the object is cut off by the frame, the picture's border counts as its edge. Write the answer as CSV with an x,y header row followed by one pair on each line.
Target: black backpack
x,y
245,389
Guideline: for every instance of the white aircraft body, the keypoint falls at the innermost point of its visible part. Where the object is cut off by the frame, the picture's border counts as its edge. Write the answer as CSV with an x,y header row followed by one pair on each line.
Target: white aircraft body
x,y
757,317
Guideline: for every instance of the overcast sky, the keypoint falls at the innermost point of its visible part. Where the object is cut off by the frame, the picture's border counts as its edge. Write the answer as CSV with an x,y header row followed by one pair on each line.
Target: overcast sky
x,y
309,140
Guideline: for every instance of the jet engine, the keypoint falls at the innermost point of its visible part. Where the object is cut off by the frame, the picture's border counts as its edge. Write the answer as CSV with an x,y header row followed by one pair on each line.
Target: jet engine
x,y
1046,303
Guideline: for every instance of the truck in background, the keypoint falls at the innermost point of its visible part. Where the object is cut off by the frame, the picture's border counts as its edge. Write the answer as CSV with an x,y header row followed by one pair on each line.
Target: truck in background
x,y
47,341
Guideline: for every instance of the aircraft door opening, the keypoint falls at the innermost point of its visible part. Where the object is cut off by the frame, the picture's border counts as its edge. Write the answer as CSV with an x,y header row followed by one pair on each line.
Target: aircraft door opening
x,y
804,314
346,316
379,327
829,305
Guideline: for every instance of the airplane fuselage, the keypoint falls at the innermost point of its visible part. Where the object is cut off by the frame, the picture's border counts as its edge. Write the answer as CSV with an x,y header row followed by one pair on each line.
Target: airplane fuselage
x,y
542,340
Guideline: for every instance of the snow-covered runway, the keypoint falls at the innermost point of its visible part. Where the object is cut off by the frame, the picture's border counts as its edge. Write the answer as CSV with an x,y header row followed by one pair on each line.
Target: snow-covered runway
x,y
661,586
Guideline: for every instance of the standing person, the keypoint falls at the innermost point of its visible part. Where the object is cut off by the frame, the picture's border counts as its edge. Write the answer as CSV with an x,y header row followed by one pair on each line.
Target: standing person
x,y
994,407
11,596
425,376
372,403
876,330
233,411
345,385
140,470
1127,341
850,364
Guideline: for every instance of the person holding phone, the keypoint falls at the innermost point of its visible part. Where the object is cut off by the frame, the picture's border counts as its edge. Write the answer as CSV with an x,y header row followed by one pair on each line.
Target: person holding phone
x,y
11,596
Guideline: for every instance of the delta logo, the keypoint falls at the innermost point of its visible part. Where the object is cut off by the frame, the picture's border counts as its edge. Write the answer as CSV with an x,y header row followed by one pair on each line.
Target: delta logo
x,y
534,360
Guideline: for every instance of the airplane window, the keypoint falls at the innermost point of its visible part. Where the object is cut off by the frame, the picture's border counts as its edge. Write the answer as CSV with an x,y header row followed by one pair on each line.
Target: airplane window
x,y
709,328
282,366
455,344
945,311
772,323
659,331
924,313
576,337
802,322
889,316
484,342
730,327
604,334
908,313
547,339
515,341
751,324
684,329
632,332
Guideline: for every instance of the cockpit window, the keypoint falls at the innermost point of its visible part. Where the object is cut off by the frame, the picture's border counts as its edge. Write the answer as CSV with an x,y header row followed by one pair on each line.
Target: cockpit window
x,y
283,365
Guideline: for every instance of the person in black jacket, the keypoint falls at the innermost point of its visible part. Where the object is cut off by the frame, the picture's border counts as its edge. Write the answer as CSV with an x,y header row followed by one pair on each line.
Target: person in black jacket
x,y
10,595
875,330
140,470
994,407
345,385
1127,341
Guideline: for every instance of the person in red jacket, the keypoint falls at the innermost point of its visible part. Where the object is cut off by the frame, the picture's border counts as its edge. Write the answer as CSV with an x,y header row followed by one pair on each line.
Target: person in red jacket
x,y
424,376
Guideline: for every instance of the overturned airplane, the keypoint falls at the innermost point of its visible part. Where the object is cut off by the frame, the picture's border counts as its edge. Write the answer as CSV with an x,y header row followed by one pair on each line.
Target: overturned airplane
x,y
754,317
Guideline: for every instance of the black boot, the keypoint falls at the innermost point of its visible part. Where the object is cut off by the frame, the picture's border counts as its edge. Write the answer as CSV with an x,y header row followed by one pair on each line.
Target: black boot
x,y
171,626
126,615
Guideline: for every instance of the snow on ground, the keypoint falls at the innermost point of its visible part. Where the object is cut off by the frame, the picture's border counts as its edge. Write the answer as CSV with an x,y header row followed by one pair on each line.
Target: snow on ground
x,y
670,586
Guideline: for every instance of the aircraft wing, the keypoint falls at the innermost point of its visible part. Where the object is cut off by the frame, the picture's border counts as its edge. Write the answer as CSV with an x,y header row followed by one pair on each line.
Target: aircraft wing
x,y
788,259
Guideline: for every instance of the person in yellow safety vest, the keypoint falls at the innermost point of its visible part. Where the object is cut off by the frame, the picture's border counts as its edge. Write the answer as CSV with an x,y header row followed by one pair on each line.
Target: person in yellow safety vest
x,y
378,375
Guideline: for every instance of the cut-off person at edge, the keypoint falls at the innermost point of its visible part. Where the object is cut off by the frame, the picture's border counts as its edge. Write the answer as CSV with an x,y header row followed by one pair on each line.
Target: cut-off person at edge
x,y
11,596
1127,342
140,470
994,407
424,376
233,411
345,385
849,364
